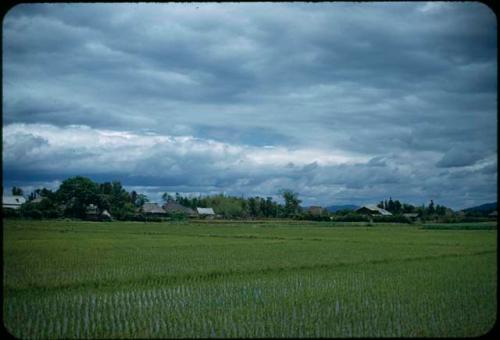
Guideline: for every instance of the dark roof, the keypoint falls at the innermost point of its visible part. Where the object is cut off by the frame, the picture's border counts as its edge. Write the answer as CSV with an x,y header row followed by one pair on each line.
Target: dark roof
x,y
315,210
172,207
152,208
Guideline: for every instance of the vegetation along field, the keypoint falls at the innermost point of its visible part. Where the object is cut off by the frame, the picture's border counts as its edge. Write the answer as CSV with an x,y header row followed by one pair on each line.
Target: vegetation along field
x,y
74,279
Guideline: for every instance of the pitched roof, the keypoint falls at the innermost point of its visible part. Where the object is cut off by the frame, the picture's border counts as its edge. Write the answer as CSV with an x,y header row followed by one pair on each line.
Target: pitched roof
x,y
315,210
205,211
410,214
13,200
171,207
374,208
152,208
38,199
106,214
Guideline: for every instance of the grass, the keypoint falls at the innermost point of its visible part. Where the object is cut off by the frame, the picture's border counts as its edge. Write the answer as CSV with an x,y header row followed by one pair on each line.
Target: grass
x,y
462,226
70,279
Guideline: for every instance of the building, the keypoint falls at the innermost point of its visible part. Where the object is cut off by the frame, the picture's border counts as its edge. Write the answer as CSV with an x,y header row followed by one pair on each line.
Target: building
x,y
91,212
373,210
152,208
172,207
493,214
205,212
315,210
12,202
105,215
411,216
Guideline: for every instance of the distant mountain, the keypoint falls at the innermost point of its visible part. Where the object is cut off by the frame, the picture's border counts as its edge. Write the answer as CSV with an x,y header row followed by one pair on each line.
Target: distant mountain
x,y
334,208
484,208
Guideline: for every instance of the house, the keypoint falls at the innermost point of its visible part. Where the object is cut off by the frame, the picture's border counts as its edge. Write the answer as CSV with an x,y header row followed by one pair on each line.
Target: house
x,y
373,210
315,210
493,214
91,212
105,215
411,216
205,212
152,208
12,202
172,207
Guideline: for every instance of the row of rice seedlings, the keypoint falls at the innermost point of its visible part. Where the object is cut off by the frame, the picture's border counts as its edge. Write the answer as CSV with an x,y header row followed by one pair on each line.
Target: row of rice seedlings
x,y
429,299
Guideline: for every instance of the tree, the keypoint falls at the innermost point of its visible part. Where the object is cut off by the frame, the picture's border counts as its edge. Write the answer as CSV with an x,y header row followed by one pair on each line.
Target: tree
x,y
431,209
292,202
140,200
397,207
390,205
76,193
408,208
440,210
133,197
166,197
32,196
17,191
252,207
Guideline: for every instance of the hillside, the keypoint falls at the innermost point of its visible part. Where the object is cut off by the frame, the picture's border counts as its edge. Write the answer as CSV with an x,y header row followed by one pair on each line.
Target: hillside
x,y
483,208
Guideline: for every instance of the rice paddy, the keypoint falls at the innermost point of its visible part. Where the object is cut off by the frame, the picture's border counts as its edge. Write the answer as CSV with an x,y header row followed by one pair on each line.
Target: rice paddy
x,y
71,279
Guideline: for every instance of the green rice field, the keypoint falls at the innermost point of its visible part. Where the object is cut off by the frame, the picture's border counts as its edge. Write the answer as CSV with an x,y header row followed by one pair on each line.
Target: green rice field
x,y
74,279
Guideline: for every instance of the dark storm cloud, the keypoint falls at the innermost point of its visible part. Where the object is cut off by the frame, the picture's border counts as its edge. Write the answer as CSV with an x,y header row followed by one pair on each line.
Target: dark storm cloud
x,y
347,102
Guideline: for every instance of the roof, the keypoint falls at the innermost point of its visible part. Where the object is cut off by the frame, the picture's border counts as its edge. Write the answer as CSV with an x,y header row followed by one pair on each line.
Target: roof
x,y
13,200
106,213
205,211
410,214
314,209
152,208
171,207
38,200
91,209
374,208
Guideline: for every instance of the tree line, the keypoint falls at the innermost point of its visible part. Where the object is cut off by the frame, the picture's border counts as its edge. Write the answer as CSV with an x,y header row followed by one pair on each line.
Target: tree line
x,y
396,207
74,196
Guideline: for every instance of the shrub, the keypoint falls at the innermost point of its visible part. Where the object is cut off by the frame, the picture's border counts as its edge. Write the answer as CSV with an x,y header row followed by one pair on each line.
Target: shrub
x,y
9,213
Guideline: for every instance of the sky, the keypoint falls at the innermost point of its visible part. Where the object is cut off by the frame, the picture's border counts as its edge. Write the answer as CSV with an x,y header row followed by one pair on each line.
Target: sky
x,y
343,103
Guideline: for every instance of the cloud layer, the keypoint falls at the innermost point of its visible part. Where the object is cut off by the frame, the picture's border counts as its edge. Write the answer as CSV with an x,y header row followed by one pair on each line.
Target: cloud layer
x,y
342,102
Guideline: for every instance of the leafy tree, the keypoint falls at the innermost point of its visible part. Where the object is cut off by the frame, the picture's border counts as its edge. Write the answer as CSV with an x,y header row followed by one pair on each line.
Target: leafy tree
x,y
140,200
252,207
106,188
431,209
390,205
440,210
133,196
292,202
76,193
166,197
397,207
17,191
